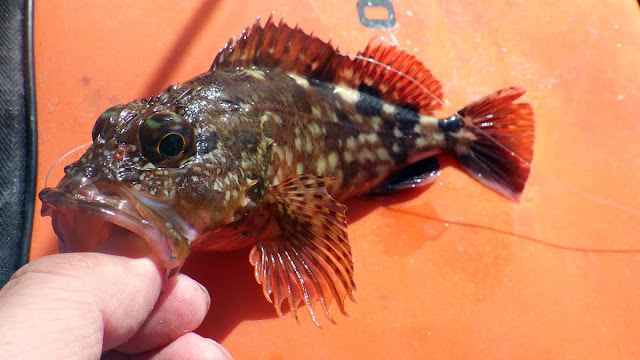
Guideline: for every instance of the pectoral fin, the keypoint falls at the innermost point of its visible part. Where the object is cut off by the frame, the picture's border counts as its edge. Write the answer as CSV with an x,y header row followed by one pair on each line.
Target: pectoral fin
x,y
308,260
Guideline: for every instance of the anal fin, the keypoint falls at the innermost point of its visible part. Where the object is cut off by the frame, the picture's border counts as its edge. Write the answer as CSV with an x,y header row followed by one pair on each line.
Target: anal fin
x,y
417,174
308,258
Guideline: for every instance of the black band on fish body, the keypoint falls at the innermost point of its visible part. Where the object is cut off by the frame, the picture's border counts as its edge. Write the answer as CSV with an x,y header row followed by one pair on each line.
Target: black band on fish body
x,y
407,118
451,124
369,103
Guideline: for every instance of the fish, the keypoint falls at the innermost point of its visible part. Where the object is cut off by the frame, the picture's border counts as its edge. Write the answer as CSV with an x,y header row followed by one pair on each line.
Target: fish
x,y
263,149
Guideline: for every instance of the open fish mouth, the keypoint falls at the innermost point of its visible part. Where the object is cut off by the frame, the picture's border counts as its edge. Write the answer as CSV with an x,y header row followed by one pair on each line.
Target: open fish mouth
x,y
85,213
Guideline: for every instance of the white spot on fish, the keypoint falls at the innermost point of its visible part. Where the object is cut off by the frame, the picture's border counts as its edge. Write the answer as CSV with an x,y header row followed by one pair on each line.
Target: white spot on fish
x,y
351,143
383,154
299,79
255,73
349,95
321,166
389,109
309,145
366,155
289,157
376,121
315,110
420,142
368,138
428,120
333,160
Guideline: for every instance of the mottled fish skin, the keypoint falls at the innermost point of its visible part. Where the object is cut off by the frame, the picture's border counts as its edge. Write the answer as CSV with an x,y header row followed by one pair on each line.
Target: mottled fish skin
x,y
286,124
261,150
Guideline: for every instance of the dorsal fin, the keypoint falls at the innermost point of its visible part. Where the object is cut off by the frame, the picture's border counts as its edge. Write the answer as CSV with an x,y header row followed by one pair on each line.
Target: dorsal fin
x,y
396,76
399,77
279,47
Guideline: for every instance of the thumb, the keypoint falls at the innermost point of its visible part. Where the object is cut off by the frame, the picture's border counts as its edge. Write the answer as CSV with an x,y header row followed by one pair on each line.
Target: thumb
x,y
75,305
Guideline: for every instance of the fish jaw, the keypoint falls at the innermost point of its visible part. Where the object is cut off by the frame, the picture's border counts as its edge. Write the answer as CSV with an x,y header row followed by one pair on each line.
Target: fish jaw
x,y
85,213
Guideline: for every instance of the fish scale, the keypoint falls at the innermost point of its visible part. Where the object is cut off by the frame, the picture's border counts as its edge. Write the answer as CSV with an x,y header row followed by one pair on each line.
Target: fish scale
x,y
262,149
343,138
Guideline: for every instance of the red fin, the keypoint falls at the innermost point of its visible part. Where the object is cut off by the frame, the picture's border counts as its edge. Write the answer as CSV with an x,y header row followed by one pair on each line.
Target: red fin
x,y
310,260
396,76
399,77
279,46
500,156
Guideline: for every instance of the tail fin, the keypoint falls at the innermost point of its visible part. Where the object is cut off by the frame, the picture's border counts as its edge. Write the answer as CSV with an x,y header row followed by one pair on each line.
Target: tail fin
x,y
501,153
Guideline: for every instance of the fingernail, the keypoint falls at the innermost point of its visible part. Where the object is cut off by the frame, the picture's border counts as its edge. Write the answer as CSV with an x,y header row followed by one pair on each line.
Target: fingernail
x,y
206,295
219,353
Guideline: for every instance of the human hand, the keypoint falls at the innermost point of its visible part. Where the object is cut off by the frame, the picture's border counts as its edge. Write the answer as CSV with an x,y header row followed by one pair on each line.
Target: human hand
x,y
88,305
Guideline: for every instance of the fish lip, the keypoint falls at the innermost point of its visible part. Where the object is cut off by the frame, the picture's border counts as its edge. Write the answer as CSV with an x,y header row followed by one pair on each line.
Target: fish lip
x,y
107,207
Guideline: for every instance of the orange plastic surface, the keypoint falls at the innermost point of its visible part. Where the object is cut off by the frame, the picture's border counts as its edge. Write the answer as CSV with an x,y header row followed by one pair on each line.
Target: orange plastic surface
x,y
431,284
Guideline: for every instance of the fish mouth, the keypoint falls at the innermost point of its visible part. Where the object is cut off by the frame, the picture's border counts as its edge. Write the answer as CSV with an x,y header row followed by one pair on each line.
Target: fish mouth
x,y
86,213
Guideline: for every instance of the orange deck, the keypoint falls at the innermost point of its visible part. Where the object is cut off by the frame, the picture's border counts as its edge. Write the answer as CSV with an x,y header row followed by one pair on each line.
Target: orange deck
x,y
429,285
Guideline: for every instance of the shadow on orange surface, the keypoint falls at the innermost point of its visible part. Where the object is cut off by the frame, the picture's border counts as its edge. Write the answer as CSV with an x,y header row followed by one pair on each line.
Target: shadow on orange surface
x,y
181,43
235,295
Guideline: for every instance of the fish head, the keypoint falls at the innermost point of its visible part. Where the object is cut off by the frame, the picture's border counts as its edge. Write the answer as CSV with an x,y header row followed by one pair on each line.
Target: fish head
x,y
150,171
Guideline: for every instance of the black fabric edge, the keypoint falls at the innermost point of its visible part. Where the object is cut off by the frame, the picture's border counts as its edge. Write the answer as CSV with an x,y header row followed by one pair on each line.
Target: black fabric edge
x,y
31,136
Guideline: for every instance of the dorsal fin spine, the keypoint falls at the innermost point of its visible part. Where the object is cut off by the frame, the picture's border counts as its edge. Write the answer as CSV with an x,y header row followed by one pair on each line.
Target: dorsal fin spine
x,y
399,77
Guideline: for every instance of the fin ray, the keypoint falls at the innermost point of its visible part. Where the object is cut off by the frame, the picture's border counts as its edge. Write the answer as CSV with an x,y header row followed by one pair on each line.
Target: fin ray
x,y
309,260
399,77
501,153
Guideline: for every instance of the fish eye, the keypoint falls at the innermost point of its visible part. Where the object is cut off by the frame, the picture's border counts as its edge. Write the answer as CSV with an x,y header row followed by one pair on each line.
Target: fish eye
x,y
166,139
101,128
171,144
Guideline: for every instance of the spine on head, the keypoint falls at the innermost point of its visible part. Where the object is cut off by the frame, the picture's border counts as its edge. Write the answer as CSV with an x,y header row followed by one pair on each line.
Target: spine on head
x,y
497,147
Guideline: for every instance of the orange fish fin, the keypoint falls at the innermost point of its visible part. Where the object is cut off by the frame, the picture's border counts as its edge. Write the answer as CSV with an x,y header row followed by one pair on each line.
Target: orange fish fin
x,y
500,156
383,69
309,258
279,47
394,76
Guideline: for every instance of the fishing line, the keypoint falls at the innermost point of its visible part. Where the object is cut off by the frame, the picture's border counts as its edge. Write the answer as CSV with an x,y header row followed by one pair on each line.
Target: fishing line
x,y
516,235
515,154
401,74
46,178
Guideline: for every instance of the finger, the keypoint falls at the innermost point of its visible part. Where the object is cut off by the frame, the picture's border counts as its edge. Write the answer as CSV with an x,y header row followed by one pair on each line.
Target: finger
x,y
188,346
180,310
74,304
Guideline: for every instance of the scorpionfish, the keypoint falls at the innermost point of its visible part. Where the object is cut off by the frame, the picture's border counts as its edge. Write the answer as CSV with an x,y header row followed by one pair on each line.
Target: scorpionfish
x,y
262,150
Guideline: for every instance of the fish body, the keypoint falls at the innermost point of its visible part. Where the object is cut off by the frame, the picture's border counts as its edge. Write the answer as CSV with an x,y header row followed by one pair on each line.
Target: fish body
x,y
262,149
